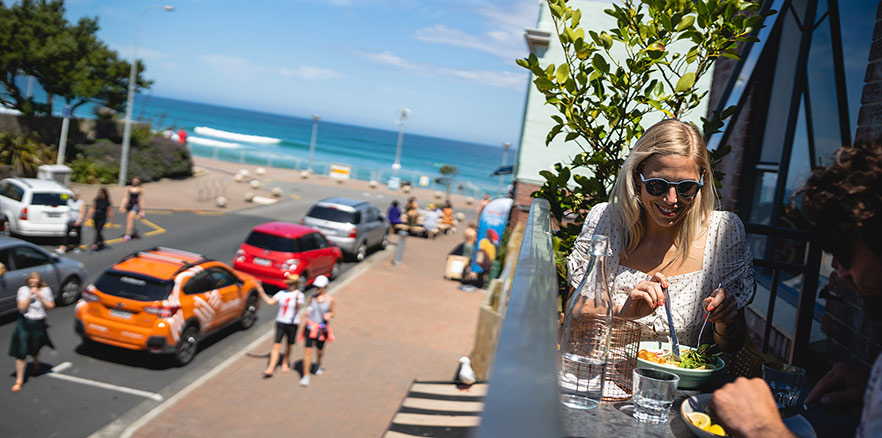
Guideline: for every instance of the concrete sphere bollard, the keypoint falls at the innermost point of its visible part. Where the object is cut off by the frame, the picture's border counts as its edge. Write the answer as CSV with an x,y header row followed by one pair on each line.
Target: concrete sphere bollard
x,y
439,194
277,192
244,172
249,196
470,201
405,189
340,180
373,184
254,184
304,174
239,177
460,216
221,201
260,171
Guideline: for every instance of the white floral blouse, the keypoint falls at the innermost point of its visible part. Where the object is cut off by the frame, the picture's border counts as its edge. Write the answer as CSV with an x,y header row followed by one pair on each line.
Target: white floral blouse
x,y
727,259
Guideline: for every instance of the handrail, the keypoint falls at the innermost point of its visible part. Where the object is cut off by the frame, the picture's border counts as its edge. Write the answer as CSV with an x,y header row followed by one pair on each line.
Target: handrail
x,y
523,398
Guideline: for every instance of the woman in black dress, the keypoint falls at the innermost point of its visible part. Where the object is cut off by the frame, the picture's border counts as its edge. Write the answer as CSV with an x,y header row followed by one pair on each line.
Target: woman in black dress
x,y
101,213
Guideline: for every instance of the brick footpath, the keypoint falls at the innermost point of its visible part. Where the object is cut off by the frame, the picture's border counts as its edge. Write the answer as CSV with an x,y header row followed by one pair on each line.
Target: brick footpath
x,y
394,324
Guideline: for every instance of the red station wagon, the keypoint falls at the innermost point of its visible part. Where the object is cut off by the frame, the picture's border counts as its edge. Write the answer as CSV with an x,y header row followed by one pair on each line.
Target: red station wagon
x,y
275,250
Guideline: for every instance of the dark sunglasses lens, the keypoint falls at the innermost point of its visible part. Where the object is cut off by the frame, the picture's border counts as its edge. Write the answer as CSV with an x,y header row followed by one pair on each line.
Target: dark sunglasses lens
x,y
687,189
656,187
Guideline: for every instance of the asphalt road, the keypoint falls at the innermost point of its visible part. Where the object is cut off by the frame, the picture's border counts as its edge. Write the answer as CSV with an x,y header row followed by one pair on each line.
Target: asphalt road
x,y
92,387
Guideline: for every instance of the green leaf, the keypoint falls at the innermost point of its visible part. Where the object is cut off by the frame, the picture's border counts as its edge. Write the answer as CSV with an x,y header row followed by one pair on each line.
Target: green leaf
x,y
685,23
563,72
686,82
577,16
606,40
600,64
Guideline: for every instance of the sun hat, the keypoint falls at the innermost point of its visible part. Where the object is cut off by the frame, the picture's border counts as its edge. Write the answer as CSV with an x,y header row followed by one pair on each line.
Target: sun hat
x,y
292,279
320,281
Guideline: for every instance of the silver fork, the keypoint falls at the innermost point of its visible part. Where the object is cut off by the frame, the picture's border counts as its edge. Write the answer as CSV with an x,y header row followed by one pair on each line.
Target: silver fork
x,y
706,317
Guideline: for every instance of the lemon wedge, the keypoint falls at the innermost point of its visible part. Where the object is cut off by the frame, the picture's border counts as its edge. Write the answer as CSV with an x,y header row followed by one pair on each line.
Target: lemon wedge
x,y
699,419
716,429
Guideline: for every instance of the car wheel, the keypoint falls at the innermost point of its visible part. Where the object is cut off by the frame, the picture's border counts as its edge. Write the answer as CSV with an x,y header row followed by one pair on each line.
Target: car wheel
x,y
335,271
361,252
249,314
69,291
186,348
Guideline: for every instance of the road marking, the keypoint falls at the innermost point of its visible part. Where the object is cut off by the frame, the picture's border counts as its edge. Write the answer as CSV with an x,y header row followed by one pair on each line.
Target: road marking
x,y
293,196
156,228
65,365
351,275
162,212
210,213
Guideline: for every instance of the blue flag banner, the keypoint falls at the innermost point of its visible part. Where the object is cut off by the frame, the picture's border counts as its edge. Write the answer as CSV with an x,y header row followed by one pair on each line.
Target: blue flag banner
x,y
491,226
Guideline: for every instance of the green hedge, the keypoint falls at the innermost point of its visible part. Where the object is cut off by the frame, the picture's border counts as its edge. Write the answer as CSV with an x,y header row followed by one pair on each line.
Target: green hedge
x,y
150,158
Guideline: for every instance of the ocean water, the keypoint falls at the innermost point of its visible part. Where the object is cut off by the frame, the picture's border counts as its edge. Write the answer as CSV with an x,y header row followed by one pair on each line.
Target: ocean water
x,y
285,143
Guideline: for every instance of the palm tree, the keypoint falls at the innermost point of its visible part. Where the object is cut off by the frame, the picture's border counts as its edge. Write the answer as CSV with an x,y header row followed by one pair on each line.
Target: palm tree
x,y
24,153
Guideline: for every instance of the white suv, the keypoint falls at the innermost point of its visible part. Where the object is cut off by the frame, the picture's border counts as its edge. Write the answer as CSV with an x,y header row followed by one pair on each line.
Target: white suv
x,y
34,207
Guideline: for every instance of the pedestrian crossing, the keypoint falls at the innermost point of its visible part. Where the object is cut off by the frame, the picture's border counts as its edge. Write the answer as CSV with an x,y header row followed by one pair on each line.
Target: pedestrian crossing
x,y
438,409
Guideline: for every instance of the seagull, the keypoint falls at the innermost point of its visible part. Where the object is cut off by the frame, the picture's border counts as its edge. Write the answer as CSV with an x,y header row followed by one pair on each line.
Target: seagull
x,y
466,374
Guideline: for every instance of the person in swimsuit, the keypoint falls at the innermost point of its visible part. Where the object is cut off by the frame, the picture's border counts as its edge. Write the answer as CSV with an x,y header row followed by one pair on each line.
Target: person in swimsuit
x,y
319,311
132,205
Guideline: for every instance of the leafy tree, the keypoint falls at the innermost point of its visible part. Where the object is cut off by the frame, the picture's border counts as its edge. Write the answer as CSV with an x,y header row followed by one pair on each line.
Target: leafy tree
x,y
448,175
24,153
67,60
602,99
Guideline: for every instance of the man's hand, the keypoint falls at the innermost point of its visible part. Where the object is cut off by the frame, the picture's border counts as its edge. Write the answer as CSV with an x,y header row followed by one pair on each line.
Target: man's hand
x,y
746,408
840,389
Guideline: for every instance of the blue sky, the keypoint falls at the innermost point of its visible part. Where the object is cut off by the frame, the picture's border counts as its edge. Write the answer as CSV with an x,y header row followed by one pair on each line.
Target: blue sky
x,y
452,62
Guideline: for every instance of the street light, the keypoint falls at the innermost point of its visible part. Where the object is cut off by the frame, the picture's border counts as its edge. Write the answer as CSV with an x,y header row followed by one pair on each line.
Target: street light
x,y
130,101
315,119
505,147
397,164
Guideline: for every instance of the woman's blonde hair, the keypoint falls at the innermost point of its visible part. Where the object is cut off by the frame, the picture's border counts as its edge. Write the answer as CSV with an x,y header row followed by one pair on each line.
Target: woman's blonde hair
x,y
35,274
670,137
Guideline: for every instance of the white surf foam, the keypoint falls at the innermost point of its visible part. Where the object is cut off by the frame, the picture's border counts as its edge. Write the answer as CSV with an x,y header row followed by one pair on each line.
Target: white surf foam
x,y
209,142
211,132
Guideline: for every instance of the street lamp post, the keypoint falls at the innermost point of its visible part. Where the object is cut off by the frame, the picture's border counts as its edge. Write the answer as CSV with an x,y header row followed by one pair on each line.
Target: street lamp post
x,y
505,147
315,119
396,166
130,101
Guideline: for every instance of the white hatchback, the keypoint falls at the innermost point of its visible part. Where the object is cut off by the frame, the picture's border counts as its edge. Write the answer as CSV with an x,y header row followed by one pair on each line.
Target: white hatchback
x,y
34,207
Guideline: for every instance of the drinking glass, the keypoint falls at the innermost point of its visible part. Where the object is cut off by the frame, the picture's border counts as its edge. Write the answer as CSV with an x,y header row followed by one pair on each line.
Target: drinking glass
x,y
785,382
654,393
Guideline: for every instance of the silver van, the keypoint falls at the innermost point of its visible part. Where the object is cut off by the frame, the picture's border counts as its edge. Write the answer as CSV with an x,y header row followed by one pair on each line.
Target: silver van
x,y
351,224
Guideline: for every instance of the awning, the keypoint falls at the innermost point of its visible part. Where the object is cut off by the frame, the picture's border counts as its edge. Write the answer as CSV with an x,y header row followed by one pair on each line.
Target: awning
x,y
503,170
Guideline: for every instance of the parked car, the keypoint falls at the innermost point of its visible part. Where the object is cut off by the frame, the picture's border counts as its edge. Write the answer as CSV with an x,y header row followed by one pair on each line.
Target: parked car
x,y
163,300
275,250
63,275
352,224
33,207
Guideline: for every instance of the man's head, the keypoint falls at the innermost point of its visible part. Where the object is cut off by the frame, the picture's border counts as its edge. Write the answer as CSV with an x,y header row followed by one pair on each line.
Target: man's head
x,y
843,203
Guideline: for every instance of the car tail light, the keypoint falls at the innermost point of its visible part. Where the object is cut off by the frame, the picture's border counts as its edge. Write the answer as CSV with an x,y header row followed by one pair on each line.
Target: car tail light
x,y
162,311
24,214
240,256
88,295
290,264
353,233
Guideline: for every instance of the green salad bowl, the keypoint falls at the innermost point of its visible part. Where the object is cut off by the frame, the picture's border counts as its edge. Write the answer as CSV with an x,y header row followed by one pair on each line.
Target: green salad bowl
x,y
689,378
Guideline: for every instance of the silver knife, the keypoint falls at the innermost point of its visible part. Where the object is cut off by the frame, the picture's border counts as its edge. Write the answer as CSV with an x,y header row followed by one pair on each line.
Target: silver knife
x,y
675,343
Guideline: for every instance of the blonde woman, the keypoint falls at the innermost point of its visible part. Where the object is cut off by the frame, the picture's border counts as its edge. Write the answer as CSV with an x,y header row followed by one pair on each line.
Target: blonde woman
x,y
30,335
664,233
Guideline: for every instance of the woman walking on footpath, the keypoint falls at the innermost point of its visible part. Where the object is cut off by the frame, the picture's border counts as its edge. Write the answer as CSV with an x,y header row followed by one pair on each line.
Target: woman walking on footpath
x,y
29,336
319,311
132,205
100,213
290,301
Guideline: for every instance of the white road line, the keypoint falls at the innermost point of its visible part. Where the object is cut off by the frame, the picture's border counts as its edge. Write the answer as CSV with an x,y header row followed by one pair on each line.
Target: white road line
x,y
65,365
351,275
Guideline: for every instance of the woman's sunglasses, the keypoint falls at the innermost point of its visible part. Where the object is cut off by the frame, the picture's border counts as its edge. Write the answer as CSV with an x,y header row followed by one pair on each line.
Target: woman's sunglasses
x,y
686,189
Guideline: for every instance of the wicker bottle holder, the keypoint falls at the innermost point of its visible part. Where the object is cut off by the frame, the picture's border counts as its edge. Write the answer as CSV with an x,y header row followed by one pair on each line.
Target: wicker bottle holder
x,y
587,330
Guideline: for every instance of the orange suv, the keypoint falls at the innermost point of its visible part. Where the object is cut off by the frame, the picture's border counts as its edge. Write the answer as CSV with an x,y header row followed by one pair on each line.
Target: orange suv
x,y
162,300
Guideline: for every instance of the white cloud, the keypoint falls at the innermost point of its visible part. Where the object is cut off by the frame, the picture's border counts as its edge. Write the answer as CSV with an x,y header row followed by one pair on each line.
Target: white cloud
x,y
310,73
500,79
232,66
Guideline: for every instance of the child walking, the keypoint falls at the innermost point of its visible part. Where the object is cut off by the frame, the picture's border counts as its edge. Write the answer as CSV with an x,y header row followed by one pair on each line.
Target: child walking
x,y
319,311
290,301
